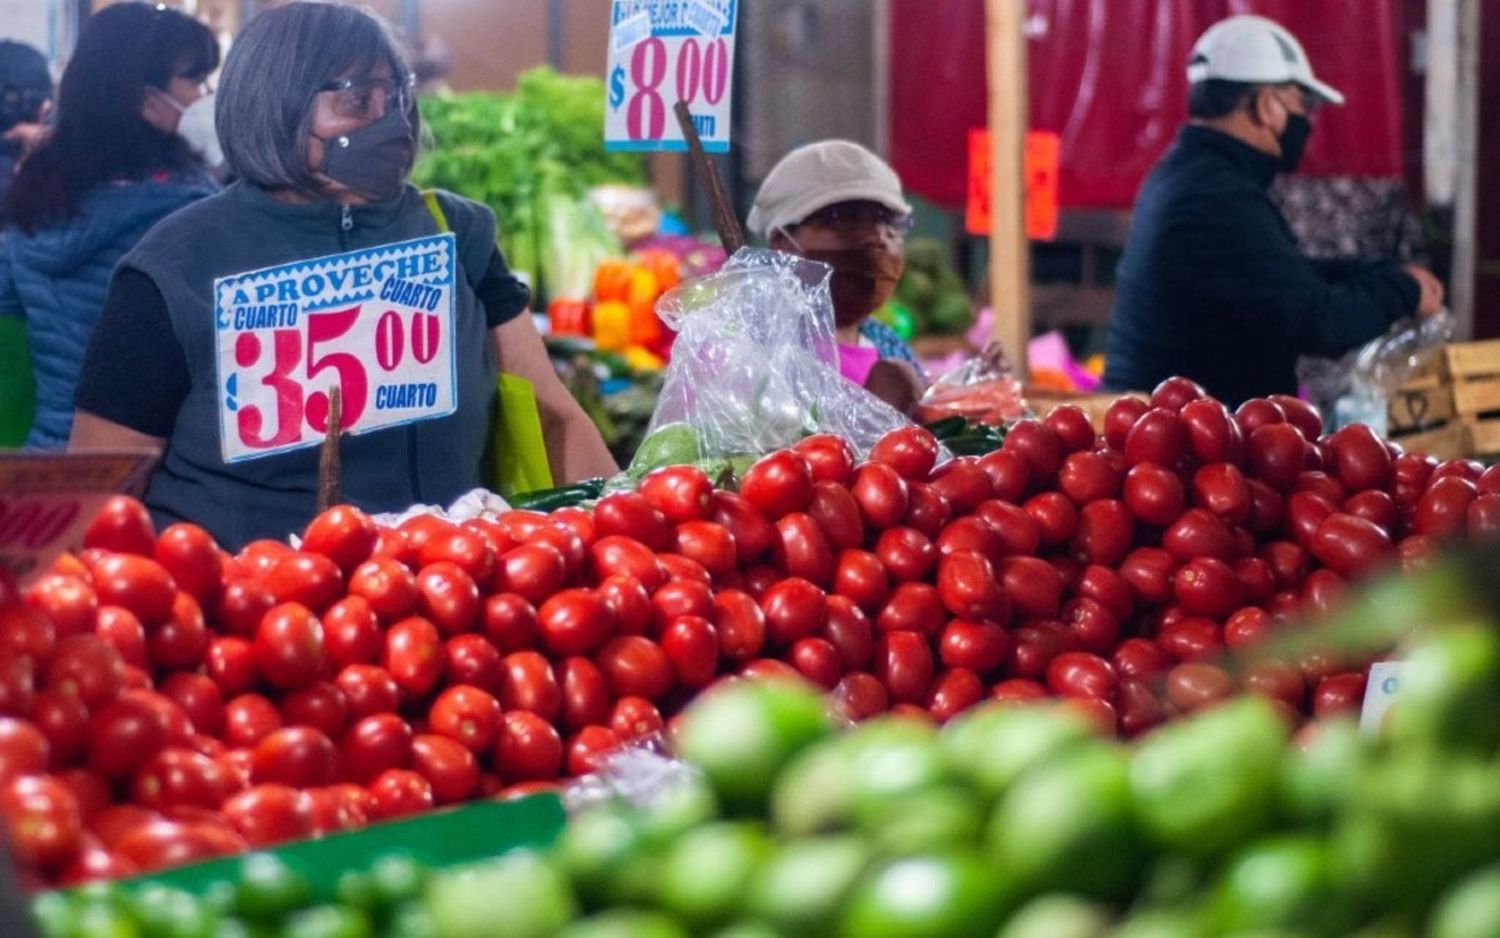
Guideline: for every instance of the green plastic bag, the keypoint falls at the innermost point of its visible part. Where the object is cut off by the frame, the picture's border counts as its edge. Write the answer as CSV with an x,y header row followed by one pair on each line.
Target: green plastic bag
x,y
520,452
17,385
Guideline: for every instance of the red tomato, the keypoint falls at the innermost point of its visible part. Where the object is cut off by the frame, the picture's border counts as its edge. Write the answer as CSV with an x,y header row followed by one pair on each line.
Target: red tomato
x,y
1443,511
499,537
1075,432
351,632
574,622
1120,418
817,660
794,608
907,554
630,514
861,578
528,748
1088,477
1256,577
180,641
1158,437
471,552
1033,585
913,607
1350,545
1410,474
467,715
474,660
414,655
68,602
123,735
963,483
679,569
967,585
43,819
123,631
1256,413
1288,562
1039,445
1199,533
778,483
801,550
248,719
837,515
1080,674
1140,659
289,646
1009,473
528,683
510,622
450,770
634,718
1034,646
299,756
122,526
137,583
1019,690
373,745
448,597
310,579
910,450
64,720
1096,628
628,604
190,556
532,571
1484,517
368,690
692,649
200,698
752,533
953,692
1016,531
1175,393
1106,532
230,663
881,494
680,493
1222,489
26,633
1056,517
635,667
1360,458
903,663
1206,586
1276,680
740,625
928,510
337,808
343,534
1376,507
1266,507
829,457
1339,693
1195,686
620,555
1322,485
240,607
1212,434
685,598
1153,494
859,696
849,631
400,793
321,706
707,543
1138,707
23,749
972,534
981,647
1300,414
587,750
1190,639
1276,454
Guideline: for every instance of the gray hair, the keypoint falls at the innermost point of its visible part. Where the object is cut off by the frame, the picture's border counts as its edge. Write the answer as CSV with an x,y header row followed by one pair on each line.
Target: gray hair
x,y
263,108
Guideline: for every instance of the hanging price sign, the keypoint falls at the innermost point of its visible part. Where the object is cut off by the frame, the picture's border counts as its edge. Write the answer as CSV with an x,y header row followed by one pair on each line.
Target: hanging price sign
x,y
377,322
662,52
1041,160
47,501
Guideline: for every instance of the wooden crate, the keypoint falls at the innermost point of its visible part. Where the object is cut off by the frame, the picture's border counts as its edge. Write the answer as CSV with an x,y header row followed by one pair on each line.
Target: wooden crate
x,y
1474,368
1448,441
1095,405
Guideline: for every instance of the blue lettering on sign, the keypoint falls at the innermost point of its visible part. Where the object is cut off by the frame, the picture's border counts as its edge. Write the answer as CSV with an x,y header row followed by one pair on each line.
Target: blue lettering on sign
x,y
411,294
271,316
705,124
1389,685
399,396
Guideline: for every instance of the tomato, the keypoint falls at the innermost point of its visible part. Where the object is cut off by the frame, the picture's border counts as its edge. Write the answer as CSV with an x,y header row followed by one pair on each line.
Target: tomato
x,y
913,607
631,514
1360,458
188,553
373,745
160,843
1018,690
1443,511
801,550
240,607
1153,494
123,631
1033,585
751,533
1222,489
337,808
23,749
1212,434
1256,578
679,569
1139,709
1416,552
631,719
200,698
1106,532
1096,628
1139,658
320,706
1190,639
1107,587
1323,590
343,534
448,597
1039,445
64,720
1176,392
1199,533
973,534
1120,418
299,756
401,793
470,552
1338,694
1322,485
180,641
850,633
472,659
1157,437
1015,530
1258,412
968,588
619,555
837,515
910,450
881,493
450,771
1074,430
394,544
289,646
123,735
1300,414
684,598
778,483
587,751
710,544
1267,508
1288,562
1207,586
861,578
467,715
680,493
1275,453
26,633
980,647
137,583
816,660
528,748
1033,648
859,696
574,622
928,510
953,692
1410,473
903,663
43,818
414,655
423,528
529,683
962,483
510,622
1195,686
1276,680
794,608
122,525
532,571
1010,474
1087,477
635,667
499,537
828,457
1376,507
230,663
1484,517
367,690
1056,517
311,580
1080,674
740,625
1350,545
248,719
907,554
692,649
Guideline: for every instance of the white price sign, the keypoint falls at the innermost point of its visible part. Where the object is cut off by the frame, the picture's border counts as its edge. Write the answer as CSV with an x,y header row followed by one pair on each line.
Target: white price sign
x,y
376,322
1381,688
662,52
47,501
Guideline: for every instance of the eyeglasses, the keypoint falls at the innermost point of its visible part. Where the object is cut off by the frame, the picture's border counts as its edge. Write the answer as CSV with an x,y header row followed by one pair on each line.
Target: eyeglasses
x,y
370,97
846,216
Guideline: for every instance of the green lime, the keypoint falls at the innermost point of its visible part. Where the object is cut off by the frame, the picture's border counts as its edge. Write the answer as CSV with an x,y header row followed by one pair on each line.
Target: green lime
x,y
397,877
410,920
1450,691
684,805
816,791
927,820
1280,882
892,759
105,919
993,744
803,886
596,847
741,735
952,895
1471,909
1057,916
625,923
1316,778
54,914
172,913
357,888
1067,826
705,874
747,930
1160,923
327,921
268,889
519,895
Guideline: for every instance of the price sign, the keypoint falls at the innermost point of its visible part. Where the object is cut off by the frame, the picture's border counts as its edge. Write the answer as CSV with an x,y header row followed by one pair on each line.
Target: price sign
x,y
662,52
47,501
377,322
1381,688
1041,160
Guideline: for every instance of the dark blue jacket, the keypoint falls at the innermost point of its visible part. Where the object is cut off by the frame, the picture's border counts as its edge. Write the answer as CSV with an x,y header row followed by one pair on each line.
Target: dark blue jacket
x,y
1212,284
56,278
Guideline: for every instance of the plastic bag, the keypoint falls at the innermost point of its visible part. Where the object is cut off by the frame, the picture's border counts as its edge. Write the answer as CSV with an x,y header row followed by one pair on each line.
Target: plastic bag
x,y
1358,387
755,367
983,389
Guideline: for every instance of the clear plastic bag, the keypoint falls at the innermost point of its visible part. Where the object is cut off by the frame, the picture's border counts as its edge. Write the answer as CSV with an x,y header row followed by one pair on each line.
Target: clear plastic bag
x,y
983,389
755,367
1358,387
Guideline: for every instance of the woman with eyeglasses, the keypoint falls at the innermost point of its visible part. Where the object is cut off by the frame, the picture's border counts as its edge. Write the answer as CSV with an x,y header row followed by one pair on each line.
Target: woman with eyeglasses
x,y
320,269
111,166
836,202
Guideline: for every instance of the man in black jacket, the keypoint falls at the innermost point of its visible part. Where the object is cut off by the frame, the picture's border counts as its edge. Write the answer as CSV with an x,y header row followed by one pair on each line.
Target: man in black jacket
x,y
1212,284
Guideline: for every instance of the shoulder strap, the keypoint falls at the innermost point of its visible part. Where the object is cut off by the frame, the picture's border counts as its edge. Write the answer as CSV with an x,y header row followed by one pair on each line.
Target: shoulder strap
x,y
435,207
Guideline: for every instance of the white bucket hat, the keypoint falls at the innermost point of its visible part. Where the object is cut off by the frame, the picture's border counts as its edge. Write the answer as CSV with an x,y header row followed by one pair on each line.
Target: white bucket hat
x,y
821,174
1256,50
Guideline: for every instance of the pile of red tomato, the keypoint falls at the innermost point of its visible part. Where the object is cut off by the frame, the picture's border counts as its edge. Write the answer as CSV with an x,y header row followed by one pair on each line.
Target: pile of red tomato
x,y
164,701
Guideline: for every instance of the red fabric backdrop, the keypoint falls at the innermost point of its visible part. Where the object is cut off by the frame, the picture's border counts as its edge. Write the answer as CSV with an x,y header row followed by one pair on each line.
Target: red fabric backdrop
x,y
1110,77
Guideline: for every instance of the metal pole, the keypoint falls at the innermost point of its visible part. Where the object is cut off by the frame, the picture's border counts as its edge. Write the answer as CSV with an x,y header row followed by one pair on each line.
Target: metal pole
x,y
1466,193
556,35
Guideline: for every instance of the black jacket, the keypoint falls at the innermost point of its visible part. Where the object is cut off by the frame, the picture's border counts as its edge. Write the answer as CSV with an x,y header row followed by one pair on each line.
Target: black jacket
x,y
1212,285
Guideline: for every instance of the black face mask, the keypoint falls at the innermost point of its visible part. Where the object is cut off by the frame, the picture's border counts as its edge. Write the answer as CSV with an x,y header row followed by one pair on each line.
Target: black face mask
x,y
1293,141
374,159
863,280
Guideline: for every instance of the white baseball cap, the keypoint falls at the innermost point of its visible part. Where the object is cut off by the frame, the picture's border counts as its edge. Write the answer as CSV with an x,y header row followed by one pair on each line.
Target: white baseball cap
x,y
1256,50
821,174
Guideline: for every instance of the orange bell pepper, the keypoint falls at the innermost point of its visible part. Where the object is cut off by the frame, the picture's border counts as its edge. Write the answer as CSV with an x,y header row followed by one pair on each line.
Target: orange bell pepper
x,y
611,325
664,265
612,281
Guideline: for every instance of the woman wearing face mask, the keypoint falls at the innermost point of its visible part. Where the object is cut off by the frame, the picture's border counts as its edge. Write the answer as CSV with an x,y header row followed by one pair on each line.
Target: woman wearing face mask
x,y
321,268
836,202
111,166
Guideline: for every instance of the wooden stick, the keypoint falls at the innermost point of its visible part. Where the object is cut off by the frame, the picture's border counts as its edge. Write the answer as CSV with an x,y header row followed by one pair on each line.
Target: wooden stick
x,y
329,467
1010,295
725,222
